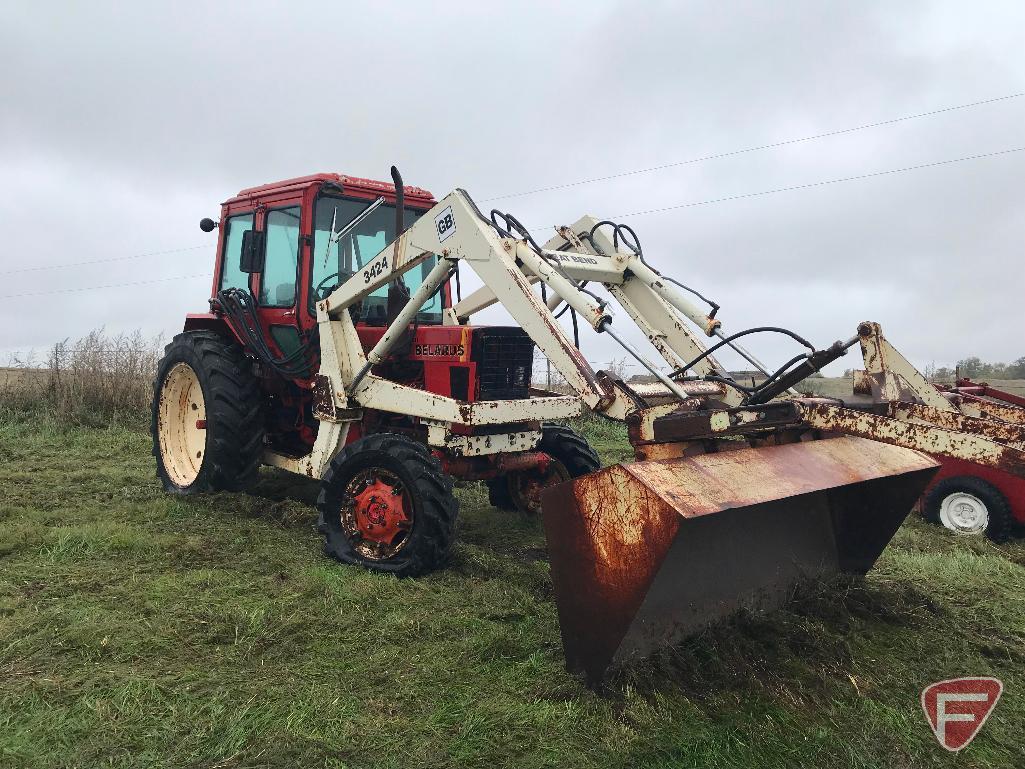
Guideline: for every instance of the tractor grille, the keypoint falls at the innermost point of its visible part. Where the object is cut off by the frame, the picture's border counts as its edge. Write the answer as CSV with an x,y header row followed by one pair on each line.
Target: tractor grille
x,y
504,358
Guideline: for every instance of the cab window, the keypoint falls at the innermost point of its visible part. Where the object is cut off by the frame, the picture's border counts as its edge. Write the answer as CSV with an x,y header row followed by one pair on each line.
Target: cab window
x,y
281,258
334,263
231,274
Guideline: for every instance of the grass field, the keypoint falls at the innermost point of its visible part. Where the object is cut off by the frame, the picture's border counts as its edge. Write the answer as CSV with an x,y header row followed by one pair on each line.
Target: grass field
x,y
141,630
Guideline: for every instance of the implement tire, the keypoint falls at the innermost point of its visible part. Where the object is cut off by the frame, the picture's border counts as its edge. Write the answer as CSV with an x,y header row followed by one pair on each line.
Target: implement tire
x,y
968,505
206,416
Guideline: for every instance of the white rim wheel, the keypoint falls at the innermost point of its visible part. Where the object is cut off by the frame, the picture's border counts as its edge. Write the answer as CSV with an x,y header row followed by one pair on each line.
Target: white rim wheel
x,y
964,514
181,425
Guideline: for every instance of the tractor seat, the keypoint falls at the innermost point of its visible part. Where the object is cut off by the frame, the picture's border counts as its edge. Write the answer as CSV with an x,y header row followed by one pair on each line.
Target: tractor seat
x,y
284,295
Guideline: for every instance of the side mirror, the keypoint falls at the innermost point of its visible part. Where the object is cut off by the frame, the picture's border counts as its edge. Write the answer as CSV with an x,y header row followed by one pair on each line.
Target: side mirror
x,y
252,252
207,225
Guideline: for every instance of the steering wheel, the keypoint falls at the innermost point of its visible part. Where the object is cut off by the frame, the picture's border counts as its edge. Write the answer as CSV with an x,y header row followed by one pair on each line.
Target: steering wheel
x,y
322,291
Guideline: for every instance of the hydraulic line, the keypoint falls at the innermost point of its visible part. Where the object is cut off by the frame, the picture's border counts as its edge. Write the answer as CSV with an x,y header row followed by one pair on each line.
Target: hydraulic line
x,y
619,232
813,363
239,307
514,224
778,381
631,240
743,353
729,339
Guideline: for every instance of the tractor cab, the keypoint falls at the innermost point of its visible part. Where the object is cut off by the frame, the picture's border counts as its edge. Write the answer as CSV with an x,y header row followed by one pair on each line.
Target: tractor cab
x,y
291,242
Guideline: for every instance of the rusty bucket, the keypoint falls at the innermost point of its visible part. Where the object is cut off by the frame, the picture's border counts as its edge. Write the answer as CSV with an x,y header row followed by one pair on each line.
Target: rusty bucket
x,y
644,554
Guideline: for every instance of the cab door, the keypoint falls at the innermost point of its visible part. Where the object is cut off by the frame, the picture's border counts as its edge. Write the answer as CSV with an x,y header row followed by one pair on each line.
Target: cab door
x,y
276,288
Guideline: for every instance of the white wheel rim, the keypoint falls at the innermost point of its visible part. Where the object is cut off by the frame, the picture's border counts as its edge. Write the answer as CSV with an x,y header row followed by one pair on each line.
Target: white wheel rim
x,y
963,513
181,425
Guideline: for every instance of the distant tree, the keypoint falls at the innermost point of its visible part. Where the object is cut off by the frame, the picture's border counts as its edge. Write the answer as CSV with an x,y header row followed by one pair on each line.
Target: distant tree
x,y
1016,370
970,367
618,368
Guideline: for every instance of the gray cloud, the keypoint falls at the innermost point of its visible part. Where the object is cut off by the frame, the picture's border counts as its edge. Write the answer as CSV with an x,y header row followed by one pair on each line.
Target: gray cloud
x,y
122,125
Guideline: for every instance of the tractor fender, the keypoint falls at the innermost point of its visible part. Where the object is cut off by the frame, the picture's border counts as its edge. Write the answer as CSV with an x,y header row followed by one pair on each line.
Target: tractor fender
x,y
207,321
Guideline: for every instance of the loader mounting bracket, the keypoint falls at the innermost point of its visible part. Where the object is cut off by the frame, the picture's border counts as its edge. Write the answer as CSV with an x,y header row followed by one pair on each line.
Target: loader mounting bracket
x,y
695,425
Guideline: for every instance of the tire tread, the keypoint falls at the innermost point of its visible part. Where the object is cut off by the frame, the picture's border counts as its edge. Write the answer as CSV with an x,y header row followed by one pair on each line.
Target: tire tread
x,y
234,411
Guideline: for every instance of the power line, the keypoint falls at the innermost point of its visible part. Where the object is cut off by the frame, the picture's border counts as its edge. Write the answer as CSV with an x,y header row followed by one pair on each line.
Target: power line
x,y
819,183
101,261
109,285
634,172
661,209
757,148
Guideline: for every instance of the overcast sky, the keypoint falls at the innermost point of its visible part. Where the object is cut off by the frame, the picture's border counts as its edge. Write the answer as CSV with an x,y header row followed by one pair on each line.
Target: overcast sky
x,y
121,125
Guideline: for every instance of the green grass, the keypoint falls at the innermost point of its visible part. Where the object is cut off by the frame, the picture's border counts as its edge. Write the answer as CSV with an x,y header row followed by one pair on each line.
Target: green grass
x,y
138,629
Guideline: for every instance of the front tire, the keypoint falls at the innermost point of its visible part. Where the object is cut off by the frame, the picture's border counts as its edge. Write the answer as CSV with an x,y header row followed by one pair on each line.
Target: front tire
x,y
572,456
968,505
385,504
206,418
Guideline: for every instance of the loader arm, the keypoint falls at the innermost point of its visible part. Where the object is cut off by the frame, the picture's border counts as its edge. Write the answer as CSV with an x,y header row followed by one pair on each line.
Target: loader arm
x,y
455,231
471,240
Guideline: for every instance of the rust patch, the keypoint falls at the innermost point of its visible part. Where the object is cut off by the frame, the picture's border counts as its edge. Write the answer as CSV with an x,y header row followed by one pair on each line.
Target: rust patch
x,y
987,409
323,402
1004,432
692,425
931,439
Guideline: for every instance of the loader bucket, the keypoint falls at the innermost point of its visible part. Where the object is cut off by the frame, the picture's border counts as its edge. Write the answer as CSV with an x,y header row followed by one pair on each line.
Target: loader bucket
x,y
644,554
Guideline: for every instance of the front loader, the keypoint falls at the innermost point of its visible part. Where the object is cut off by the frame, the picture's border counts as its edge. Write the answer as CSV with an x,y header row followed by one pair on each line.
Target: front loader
x,y
334,348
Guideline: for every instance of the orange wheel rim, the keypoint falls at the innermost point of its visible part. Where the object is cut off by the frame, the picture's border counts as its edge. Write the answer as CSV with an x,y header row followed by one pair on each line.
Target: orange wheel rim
x,y
378,514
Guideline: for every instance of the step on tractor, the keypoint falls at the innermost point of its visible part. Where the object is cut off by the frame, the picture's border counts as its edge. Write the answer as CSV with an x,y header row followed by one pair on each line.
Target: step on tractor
x,y
338,345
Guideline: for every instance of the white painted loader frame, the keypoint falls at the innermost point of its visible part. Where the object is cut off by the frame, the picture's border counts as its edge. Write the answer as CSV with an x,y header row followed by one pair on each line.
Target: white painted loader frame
x,y
455,231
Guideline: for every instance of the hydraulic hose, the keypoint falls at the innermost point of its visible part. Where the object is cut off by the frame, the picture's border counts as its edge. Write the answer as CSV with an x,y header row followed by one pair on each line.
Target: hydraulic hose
x,y
239,307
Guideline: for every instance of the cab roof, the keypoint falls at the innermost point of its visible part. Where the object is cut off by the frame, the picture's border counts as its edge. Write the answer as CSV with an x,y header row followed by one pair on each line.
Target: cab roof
x,y
349,184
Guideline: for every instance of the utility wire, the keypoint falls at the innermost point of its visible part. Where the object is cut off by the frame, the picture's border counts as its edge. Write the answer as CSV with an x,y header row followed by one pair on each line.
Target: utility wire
x,y
634,172
109,285
818,184
615,216
757,148
101,261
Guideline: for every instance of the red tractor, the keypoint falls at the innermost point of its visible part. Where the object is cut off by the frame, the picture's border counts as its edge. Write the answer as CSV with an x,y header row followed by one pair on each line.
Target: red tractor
x,y
333,348
240,386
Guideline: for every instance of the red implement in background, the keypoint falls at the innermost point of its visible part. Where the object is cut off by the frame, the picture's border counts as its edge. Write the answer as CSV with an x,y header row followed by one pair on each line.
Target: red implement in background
x,y
965,495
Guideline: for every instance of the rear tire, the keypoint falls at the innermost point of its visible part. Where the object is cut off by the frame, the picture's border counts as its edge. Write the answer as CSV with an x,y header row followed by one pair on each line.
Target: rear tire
x,y
206,416
572,457
968,505
385,504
